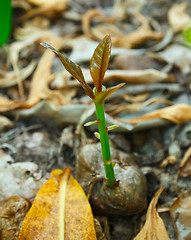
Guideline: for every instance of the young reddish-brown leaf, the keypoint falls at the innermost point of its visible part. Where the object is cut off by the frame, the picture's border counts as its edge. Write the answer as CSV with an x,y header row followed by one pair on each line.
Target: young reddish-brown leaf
x,y
73,68
60,211
101,96
99,62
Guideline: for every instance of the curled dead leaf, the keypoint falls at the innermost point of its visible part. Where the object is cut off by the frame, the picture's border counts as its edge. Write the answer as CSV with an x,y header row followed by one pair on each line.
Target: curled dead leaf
x,y
39,86
170,160
119,39
185,165
5,123
47,8
89,16
7,104
137,98
180,212
12,78
60,211
154,227
177,114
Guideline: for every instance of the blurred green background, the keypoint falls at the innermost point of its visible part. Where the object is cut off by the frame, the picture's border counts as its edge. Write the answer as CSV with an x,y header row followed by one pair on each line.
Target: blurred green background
x,y
5,20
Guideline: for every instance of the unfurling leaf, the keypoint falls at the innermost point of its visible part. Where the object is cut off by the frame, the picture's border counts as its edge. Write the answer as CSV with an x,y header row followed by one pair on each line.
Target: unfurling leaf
x,y
91,123
112,127
154,227
97,135
60,211
101,96
99,62
73,68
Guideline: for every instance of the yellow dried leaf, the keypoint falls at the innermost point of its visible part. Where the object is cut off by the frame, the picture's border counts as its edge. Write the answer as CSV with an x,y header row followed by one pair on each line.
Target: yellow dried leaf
x,y
60,211
177,114
154,227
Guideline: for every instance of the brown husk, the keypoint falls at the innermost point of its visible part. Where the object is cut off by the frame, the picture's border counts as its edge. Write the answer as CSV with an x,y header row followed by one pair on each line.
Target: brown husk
x,y
127,197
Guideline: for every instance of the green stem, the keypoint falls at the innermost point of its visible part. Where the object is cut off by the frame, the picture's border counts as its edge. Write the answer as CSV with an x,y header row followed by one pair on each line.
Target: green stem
x,y
104,139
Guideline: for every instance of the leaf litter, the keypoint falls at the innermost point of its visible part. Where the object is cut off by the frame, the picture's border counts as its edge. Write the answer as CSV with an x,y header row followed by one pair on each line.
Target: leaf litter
x,y
156,101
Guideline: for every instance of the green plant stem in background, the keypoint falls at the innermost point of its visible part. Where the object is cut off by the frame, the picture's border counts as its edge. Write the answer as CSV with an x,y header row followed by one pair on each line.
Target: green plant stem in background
x,y
5,20
104,139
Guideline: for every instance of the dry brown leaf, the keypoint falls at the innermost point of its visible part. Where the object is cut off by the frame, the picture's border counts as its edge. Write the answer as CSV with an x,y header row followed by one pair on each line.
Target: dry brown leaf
x,y
60,211
123,8
5,123
136,38
154,227
7,104
129,76
138,98
46,2
177,17
119,39
89,16
137,76
158,100
21,4
9,79
185,165
14,50
39,86
116,109
136,104
177,114
180,212
47,8
168,160
27,36
12,212
40,82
